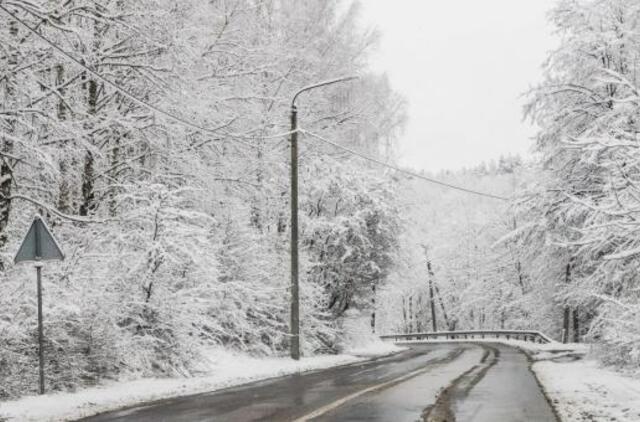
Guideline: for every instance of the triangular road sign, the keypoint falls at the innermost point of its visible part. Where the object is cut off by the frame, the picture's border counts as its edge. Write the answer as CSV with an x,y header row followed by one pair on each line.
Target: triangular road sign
x,y
39,244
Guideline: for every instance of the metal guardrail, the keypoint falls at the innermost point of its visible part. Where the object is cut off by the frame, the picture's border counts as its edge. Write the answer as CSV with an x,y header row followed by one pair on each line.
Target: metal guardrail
x,y
523,335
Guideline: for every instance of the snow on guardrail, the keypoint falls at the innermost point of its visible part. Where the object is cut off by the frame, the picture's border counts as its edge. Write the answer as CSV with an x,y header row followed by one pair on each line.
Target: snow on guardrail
x,y
524,335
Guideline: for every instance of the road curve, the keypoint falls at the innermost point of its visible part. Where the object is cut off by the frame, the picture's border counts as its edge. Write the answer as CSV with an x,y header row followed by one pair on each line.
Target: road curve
x,y
491,383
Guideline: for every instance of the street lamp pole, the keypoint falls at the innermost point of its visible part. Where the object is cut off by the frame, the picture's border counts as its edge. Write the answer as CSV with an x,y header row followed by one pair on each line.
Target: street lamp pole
x,y
295,286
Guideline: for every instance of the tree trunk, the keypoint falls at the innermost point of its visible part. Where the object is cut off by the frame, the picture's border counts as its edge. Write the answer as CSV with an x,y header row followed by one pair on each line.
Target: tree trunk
x,y
115,161
410,314
420,315
565,324
518,265
434,323
62,109
88,173
404,315
576,326
373,308
64,190
567,311
87,185
6,178
447,322
6,167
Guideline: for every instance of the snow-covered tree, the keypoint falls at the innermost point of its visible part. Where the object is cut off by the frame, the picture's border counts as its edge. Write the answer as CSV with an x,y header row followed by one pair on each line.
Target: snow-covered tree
x,y
147,134
583,213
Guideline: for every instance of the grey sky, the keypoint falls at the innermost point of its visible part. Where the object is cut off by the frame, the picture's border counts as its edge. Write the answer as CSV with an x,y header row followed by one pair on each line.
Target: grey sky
x,y
463,66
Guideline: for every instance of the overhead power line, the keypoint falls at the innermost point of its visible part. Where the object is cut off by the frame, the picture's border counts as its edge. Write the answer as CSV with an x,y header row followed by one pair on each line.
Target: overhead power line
x,y
401,170
216,131
143,103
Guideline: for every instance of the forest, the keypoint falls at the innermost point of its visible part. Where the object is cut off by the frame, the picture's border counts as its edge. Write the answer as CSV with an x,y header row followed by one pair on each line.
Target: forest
x,y
162,169
562,254
152,136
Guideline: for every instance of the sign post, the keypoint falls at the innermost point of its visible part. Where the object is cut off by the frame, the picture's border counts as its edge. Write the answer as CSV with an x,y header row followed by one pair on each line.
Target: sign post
x,y
39,245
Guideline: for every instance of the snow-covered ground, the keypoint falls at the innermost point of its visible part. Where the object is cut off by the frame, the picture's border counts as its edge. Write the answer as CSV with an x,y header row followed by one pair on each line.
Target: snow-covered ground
x,y
359,341
226,369
582,390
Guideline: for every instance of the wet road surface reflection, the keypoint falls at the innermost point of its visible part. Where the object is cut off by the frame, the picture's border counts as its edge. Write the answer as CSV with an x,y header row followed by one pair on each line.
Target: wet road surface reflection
x,y
496,387
406,401
286,398
508,392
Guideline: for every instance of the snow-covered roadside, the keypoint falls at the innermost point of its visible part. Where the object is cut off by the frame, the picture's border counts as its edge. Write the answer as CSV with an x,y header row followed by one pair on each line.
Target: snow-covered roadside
x,y
582,390
578,387
373,350
227,369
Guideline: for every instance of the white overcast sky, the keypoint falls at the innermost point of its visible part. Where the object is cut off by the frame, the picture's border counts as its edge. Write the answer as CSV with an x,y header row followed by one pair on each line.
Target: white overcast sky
x,y
463,66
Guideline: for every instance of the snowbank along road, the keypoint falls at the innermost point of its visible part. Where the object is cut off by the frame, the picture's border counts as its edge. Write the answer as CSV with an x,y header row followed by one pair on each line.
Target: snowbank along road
x,y
434,382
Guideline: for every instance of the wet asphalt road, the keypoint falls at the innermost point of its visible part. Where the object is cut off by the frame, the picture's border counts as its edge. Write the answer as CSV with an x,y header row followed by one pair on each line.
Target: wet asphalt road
x,y
397,388
507,392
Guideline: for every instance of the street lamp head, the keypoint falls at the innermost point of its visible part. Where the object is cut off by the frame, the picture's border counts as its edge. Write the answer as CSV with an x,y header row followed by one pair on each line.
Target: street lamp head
x,y
321,84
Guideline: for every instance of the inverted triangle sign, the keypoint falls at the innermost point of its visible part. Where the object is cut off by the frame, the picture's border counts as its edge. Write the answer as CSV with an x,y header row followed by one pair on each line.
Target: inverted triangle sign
x,y
39,244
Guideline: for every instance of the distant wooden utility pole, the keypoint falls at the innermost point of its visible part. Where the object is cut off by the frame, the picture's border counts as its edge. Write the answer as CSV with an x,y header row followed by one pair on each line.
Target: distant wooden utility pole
x,y
432,301
447,323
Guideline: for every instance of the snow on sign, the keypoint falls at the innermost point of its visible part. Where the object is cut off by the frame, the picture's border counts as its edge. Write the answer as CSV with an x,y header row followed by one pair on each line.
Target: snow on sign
x,y
39,244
